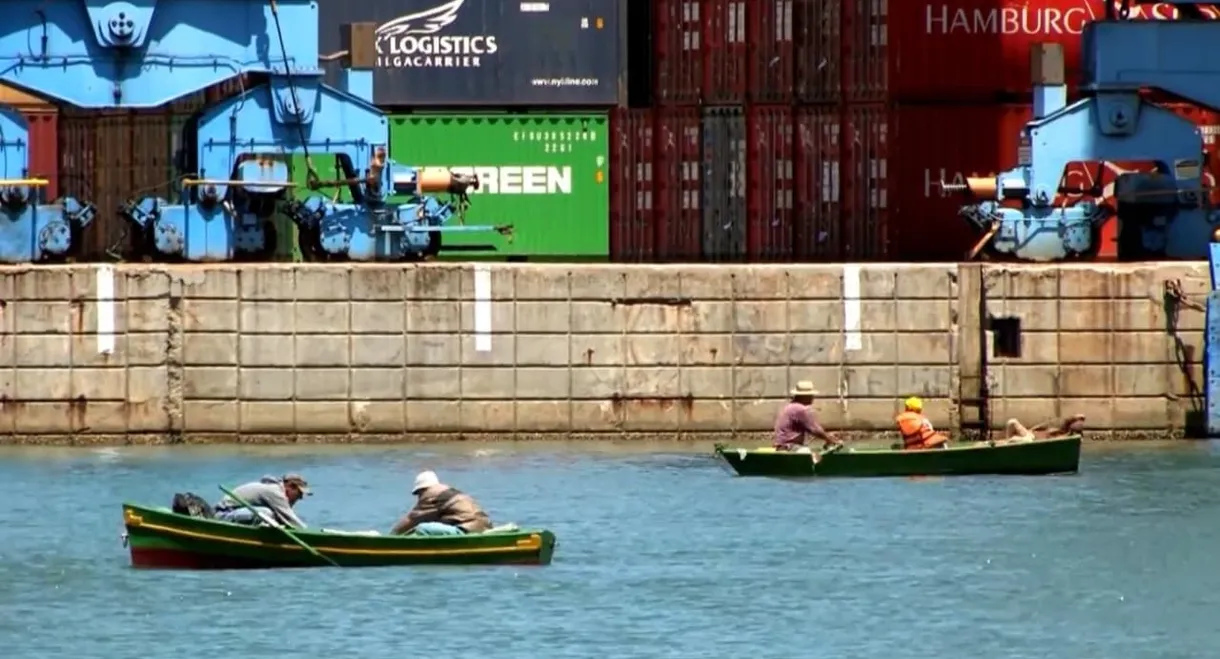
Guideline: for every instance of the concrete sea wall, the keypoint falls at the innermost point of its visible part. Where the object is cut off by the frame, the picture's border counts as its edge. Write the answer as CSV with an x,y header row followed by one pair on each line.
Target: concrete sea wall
x,y
282,353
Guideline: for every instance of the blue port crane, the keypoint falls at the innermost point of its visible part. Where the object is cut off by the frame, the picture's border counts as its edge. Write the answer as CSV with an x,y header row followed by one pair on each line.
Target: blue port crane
x,y
1166,212
1162,213
235,163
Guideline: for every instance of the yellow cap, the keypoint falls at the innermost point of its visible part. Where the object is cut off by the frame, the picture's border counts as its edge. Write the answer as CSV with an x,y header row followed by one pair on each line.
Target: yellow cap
x,y
914,404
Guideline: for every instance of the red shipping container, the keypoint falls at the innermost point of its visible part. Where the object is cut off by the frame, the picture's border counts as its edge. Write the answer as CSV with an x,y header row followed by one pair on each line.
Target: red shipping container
x,y
864,232
817,218
44,147
817,50
700,51
654,187
935,143
771,51
770,167
967,50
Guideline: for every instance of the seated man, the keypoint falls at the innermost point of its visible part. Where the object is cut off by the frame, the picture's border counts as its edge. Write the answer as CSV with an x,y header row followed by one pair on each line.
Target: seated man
x,y
272,497
1072,425
441,510
916,430
797,422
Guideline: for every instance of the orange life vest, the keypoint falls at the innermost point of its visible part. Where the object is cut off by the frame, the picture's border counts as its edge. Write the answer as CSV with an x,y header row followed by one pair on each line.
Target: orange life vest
x,y
916,433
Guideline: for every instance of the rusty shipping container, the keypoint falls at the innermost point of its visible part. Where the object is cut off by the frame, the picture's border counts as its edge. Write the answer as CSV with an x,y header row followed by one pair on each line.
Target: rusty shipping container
x,y
817,50
963,50
723,184
461,53
42,118
729,52
109,158
655,188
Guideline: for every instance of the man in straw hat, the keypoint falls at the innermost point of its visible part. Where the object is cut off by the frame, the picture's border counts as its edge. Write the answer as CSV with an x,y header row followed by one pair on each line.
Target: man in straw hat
x,y
797,422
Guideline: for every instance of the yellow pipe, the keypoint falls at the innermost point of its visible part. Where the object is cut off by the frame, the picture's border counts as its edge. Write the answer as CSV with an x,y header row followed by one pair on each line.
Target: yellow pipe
x,y
32,182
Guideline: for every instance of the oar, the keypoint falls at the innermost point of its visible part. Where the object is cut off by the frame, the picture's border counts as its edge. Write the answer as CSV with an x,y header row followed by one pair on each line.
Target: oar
x,y
825,452
292,536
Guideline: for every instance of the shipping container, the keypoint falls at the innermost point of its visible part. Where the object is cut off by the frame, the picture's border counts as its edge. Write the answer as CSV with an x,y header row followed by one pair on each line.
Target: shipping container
x,y
864,232
817,50
44,147
433,53
770,169
944,143
771,51
962,50
818,223
656,166
725,52
108,158
723,183
632,193
544,174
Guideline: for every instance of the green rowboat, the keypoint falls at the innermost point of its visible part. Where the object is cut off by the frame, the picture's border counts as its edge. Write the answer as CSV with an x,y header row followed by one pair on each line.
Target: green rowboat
x,y
1044,456
159,538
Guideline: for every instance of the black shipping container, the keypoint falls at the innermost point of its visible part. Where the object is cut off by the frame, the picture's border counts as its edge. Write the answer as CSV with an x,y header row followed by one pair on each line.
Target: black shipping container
x,y
453,53
724,184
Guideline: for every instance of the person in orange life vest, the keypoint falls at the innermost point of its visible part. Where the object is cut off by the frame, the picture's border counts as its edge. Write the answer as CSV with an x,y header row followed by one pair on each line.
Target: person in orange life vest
x,y
917,432
796,422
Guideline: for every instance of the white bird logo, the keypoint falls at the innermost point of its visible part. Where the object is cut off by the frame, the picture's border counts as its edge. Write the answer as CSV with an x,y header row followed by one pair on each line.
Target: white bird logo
x,y
428,21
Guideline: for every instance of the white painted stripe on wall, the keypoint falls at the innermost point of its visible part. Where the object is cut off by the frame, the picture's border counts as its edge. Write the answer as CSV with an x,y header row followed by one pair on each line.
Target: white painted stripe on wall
x,y
852,339
105,309
482,308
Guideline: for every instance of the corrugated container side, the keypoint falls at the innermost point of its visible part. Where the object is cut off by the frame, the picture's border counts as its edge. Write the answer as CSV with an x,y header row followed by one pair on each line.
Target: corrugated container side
x,y
725,48
678,58
108,158
771,51
725,221
633,236
542,173
677,169
771,235
935,143
868,50
817,27
489,53
817,183
866,133
640,64
44,147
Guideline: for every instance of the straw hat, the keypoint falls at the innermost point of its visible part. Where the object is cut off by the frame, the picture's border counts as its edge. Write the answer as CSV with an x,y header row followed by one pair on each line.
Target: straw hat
x,y
804,388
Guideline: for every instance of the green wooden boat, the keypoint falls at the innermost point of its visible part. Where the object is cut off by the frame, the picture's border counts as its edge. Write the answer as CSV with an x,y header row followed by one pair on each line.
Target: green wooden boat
x,y
159,538
1044,456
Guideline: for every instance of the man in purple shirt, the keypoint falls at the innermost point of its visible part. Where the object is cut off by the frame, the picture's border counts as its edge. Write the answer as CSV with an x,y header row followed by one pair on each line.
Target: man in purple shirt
x,y
797,422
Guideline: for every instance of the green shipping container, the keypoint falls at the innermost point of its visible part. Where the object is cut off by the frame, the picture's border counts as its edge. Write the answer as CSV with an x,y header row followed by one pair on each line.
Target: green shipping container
x,y
544,174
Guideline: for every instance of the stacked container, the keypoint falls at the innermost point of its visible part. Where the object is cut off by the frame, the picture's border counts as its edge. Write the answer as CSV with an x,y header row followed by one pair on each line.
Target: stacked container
x,y
749,152
821,130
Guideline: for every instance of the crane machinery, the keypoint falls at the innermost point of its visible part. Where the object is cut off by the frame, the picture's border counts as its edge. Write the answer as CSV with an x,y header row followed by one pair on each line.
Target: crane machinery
x,y
235,163
1162,213
1166,212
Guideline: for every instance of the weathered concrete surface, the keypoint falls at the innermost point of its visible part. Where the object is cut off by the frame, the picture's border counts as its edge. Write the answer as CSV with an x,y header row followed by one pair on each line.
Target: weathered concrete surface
x,y
385,353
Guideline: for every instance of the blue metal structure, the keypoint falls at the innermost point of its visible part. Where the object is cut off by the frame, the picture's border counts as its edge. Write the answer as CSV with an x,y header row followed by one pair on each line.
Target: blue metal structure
x,y
1165,213
144,53
1211,346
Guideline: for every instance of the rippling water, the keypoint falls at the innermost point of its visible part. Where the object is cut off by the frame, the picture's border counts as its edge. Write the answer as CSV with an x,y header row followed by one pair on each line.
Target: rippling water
x,y
661,554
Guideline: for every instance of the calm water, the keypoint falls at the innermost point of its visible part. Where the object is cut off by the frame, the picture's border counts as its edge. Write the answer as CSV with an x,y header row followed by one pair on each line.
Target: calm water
x,y
661,554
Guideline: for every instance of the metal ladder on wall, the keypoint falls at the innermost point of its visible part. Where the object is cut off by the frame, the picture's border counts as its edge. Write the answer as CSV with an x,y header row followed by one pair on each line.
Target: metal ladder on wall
x,y
973,391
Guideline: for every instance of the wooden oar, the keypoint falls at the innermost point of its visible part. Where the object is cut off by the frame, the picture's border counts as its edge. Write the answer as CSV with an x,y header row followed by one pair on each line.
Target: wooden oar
x,y
291,536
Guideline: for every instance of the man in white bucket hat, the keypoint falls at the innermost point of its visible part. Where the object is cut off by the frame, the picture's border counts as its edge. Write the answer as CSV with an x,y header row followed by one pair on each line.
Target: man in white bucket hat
x,y
797,422
441,510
